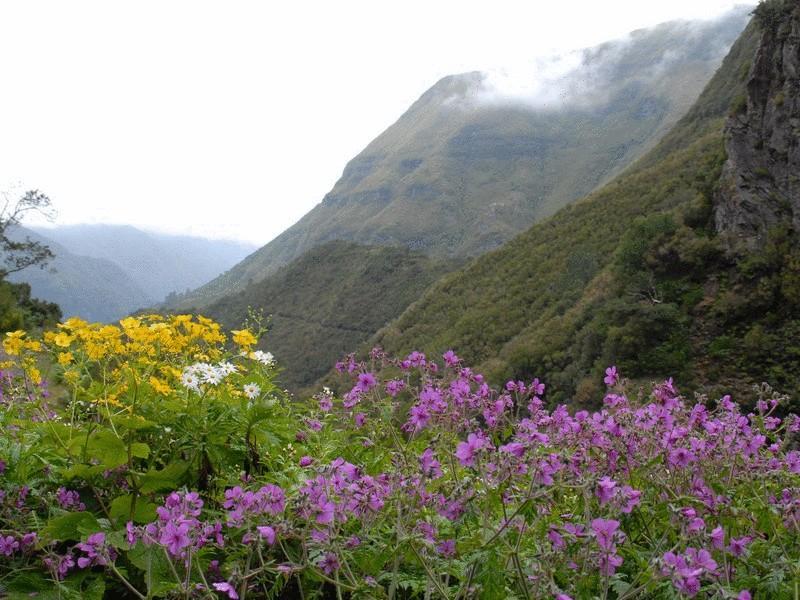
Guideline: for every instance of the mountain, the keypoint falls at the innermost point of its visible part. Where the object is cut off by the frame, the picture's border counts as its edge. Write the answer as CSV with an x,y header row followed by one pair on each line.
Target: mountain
x,y
92,288
688,265
158,263
471,164
329,301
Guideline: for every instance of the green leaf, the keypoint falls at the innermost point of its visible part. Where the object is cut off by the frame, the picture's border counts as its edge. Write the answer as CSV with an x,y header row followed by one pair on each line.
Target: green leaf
x,y
70,526
87,472
103,446
133,422
140,450
153,563
144,511
165,479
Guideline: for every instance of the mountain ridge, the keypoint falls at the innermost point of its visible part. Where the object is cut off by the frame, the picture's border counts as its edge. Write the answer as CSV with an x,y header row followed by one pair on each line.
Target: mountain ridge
x,y
457,181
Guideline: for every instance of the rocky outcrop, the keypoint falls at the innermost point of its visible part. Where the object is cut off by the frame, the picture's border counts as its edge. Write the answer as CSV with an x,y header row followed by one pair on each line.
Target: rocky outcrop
x,y
760,186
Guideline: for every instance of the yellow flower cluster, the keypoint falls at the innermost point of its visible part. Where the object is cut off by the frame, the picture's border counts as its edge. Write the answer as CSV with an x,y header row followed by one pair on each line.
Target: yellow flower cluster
x,y
152,349
16,342
141,338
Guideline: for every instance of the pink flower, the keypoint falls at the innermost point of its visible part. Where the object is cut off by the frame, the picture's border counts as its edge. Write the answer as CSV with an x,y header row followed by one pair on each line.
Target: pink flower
x,y
329,563
130,533
718,537
680,457
366,381
604,530
447,548
737,546
394,387
175,538
450,358
556,539
429,465
466,451
612,376
632,498
605,489
268,533
226,588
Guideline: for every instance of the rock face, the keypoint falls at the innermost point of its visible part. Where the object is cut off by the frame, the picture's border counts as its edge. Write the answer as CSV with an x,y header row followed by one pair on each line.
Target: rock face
x,y
760,185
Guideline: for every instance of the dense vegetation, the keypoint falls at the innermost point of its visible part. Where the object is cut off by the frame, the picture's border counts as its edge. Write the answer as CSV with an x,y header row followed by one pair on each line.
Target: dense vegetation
x,y
634,275
329,301
18,310
174,467
466,168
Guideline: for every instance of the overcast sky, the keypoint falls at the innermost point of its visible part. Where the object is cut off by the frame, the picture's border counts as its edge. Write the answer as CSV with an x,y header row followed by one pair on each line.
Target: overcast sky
x,y
234,118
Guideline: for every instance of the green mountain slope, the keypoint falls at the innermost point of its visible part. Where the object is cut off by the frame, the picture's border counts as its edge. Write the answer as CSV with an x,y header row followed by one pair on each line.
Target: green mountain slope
x,y
158,263
91,288
469,166
329,301
637,274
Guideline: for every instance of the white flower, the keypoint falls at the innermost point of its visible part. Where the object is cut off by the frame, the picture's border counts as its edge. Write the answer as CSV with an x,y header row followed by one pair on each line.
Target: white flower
x,y
226,368
193,369
251,390
190,380
212,376
265,358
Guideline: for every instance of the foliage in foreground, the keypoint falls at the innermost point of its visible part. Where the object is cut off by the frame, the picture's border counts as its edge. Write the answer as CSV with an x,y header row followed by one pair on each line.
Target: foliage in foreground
x,y
175,468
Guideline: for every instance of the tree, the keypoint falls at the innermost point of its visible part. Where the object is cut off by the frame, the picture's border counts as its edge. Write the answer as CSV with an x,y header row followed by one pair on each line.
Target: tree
x,y
19,255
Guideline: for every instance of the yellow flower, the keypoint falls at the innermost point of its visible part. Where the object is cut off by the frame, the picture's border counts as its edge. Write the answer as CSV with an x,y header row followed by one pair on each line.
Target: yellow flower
x,y
65,358
34,345
13,343
63,340
130,323
244,338
74,323
160,386
95,351
35,375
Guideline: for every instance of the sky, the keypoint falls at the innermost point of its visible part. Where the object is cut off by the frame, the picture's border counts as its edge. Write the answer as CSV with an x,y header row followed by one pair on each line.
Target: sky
x,y
232,119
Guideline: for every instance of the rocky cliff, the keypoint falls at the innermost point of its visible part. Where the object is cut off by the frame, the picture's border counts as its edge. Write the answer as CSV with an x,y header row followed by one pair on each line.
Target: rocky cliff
x,y
760,185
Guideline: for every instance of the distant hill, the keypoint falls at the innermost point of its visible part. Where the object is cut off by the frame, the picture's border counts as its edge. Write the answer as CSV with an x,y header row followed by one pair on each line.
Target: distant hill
x,y
158,263
470,165
688,265
327,302
92,288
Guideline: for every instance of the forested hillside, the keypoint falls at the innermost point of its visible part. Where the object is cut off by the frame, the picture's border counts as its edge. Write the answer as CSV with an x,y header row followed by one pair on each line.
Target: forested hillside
x,y
637,274
330,301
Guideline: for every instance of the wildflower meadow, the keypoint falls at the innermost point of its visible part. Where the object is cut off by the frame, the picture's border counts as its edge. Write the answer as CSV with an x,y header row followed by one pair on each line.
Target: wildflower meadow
x,y
159,458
